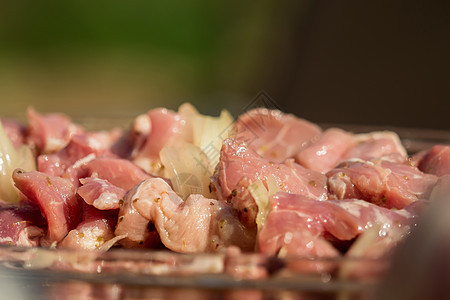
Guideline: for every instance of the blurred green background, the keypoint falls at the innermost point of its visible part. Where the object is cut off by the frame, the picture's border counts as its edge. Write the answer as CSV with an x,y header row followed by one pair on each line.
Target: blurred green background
x,y
378,63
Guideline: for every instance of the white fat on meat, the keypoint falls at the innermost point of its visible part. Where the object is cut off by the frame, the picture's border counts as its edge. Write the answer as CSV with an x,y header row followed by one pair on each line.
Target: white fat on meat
x,y
100,193
90,236
30,236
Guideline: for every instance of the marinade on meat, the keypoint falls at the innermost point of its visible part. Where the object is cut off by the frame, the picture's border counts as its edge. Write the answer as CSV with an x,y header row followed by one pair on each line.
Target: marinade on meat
x,y
329,148
238,162
94,230
239,166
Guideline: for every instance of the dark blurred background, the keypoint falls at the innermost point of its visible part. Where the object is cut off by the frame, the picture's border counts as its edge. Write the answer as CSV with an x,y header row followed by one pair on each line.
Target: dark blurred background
x,y
374,63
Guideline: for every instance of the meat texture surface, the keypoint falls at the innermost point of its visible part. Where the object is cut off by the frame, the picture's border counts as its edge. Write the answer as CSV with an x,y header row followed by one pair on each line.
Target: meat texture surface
x,y
96,228
335,145
376,144
240,166
238,162
195,225
49,133
56,199
301,226
119,172
158,128
385,183
139,232
79,147
21,226
100,193
275,135
436,161
327,151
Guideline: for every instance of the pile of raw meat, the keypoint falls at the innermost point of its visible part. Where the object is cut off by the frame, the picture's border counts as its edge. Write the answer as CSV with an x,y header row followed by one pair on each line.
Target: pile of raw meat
x,y
266,182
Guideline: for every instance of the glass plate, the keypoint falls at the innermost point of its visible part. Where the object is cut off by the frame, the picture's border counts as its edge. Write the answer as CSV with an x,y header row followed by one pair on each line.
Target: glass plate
x,y
136,274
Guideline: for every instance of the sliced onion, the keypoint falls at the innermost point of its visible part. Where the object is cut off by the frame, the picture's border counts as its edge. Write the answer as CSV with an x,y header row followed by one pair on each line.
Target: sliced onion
x,y
108,244
272,186
208,132
261,194
10,159
188,168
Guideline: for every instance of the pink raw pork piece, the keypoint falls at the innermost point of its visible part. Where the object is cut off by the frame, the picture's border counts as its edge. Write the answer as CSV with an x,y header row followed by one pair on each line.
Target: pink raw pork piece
x,y
21,226
335,145
139,232
239,166
50,132
158,128
195,225
96,228
238,162
78,148
436,161
327,151
100,193
274,135
301,226
56,199
376,145
117,171
385,183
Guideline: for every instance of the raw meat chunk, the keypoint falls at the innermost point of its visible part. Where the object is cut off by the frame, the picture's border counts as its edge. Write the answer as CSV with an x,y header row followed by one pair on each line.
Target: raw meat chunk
x,y
274,135
50,132
325,153
100,193
195,225
385,183
21,226
436,161
56,199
